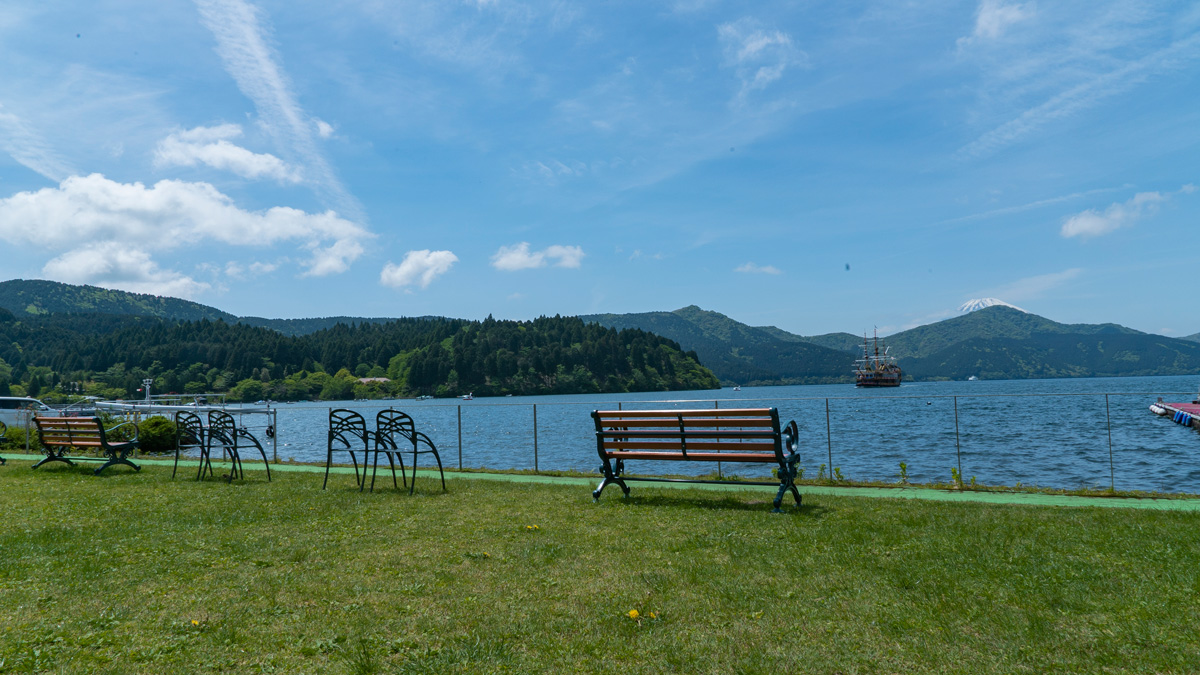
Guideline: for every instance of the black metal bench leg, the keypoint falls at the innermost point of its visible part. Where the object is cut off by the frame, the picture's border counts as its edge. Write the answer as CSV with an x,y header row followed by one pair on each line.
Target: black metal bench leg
x,y
176,467
266,463
116,460
610,476
328,462
440,472
413,485
53,458
787,482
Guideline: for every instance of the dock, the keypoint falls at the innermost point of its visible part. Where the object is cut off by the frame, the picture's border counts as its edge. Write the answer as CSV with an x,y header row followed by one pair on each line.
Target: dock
x,y
1187,414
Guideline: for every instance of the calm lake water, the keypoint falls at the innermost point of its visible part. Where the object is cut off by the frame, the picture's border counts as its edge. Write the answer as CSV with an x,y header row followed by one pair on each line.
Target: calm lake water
x,y
1052,433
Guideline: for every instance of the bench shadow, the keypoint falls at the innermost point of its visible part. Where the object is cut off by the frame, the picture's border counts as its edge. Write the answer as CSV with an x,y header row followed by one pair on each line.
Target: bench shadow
x,y
723,503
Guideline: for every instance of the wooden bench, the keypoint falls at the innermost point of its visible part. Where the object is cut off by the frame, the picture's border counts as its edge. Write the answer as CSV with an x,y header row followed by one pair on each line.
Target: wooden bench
x,y
61,434
750,435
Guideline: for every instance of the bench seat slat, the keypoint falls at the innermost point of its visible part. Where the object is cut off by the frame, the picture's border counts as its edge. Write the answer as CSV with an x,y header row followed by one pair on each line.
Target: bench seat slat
x,y
707,412
688,434
698,445
689,423
754,457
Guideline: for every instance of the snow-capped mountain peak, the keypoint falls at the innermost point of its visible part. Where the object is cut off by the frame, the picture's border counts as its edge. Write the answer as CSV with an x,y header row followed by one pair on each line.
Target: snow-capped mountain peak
x,y
980,303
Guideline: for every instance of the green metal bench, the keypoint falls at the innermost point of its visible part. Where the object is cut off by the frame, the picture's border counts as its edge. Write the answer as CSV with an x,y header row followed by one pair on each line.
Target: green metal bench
x,y
59,435
751,435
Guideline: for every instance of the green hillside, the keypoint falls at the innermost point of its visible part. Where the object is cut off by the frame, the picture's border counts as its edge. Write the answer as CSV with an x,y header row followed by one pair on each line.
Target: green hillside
x,y
737,353
25,297
843,342
997,321
34,296
1192,338
108,355
1044,355
294,327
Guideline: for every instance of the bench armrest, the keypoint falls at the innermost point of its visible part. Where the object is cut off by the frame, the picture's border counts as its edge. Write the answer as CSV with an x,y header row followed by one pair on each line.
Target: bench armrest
x,y
791,438
122,424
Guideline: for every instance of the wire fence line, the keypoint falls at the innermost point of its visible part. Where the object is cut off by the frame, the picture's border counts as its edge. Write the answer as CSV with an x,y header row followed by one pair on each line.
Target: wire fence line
x,y
1063,440
1068,440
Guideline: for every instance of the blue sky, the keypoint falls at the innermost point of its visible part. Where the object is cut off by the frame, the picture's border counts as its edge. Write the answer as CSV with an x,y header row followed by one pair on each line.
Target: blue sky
x,y
818,166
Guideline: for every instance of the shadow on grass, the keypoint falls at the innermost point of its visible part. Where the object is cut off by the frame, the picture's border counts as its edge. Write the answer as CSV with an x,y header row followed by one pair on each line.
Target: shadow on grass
x,y
720,503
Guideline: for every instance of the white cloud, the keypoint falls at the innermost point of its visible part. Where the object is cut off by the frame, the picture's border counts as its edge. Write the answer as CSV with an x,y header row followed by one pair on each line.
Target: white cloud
x,y
993,18
117,265
519,257
169,215
418,267
324,129
751,268
243,47
1093,223
758,55
211,146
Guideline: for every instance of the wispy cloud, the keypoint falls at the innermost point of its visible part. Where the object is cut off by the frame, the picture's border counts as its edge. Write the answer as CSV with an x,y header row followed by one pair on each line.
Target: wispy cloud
x,y
751,268
1031,288
1020,208
994,17
1093,222
212,146
519,257
418,268
1085,95
758,55
241,33
29,148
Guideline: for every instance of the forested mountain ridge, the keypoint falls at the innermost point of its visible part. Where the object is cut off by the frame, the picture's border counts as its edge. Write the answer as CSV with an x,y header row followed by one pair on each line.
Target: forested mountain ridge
x,y
996,342
109,355
997,321
738,353
34,296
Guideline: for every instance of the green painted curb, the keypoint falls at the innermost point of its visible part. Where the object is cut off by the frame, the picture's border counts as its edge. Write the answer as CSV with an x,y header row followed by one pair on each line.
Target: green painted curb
x,y
931,494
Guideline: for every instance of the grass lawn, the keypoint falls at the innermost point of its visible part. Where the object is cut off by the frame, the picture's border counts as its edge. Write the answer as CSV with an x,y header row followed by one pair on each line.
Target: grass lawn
x,y
134,573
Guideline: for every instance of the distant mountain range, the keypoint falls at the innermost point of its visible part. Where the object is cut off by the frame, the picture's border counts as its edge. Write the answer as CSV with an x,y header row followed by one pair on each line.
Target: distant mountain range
x,y
996,341
32,296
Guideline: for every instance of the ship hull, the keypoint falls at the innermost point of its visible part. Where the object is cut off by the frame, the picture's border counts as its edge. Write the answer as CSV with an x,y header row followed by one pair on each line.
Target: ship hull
x,y
878,381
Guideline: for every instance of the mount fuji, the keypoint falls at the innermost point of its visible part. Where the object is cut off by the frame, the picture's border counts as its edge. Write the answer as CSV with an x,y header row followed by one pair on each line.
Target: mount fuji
x,y
980,303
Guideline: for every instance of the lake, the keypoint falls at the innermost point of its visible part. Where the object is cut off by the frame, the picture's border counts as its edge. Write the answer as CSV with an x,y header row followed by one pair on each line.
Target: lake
x,y
1050,433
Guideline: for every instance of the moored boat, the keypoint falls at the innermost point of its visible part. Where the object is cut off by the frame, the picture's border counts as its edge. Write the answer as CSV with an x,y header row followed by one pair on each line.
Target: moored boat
x,y
875,368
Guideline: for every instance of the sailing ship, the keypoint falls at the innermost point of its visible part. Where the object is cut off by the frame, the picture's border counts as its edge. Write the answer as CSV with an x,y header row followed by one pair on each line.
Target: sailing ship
x,y
875,368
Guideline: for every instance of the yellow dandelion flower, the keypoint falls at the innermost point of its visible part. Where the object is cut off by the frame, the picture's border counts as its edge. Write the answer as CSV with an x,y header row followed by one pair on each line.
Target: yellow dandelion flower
x,y
653,615
195,622
634,614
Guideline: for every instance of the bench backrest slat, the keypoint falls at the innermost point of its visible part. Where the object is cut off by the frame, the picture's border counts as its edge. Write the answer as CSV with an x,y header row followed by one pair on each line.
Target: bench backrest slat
x,y
75,432
753,432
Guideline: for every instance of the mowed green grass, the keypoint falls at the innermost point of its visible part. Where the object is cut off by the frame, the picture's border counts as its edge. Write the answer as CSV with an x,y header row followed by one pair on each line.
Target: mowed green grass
x,y
135,573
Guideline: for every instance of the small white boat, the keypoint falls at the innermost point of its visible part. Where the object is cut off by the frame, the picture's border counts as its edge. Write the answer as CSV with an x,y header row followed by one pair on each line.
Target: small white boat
x,y
972,379
468,397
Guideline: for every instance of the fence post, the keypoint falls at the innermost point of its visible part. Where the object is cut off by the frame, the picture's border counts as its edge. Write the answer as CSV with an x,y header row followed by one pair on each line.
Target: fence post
x,y
717,406
829,437
1112,480
460,437
957,443
535,439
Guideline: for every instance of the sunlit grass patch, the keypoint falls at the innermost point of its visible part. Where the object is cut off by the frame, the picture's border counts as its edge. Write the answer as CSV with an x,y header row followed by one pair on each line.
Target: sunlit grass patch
x,y
138,573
